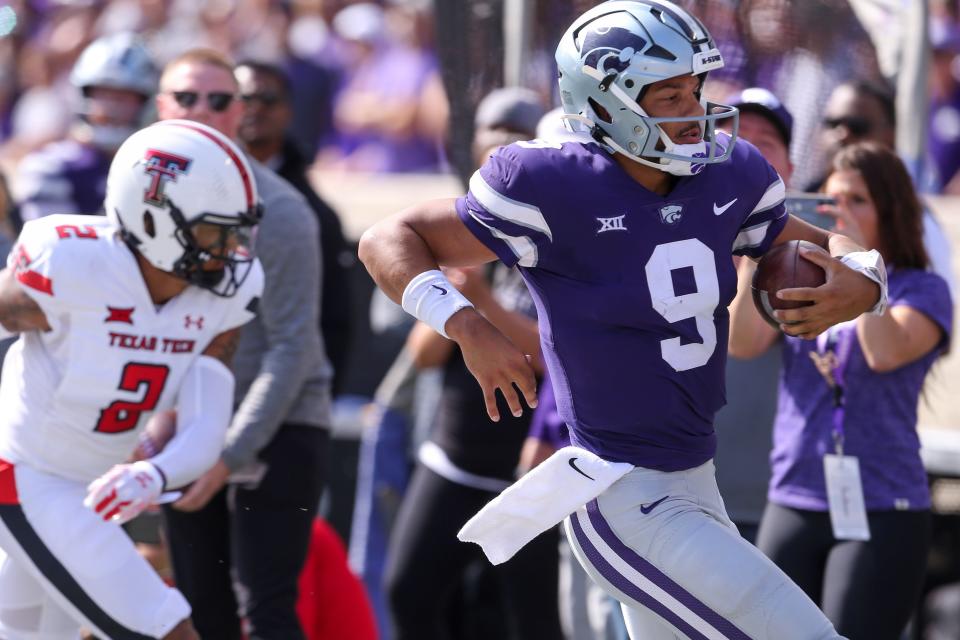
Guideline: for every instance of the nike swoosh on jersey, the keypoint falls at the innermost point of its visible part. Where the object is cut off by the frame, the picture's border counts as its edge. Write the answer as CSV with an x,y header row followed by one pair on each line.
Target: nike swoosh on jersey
x,y
719,210
647,508
576,468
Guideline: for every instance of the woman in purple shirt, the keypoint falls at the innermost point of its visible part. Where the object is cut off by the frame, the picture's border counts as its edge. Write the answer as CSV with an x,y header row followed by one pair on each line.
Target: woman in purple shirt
x,y
848,517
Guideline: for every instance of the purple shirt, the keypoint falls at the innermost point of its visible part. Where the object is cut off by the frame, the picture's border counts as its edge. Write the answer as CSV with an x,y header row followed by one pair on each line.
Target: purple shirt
x,y
63,177
880,417
631,287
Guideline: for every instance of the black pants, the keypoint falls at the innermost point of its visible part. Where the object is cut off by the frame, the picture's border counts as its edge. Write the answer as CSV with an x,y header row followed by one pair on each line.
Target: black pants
x,y
242,554
426,564
867,589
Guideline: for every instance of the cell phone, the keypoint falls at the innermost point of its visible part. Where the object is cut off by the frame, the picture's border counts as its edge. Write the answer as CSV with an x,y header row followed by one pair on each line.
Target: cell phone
x,y
804,206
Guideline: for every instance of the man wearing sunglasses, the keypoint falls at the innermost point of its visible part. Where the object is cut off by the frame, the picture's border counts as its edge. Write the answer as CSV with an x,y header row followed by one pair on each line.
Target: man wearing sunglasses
x,y
267,115
239,545
862,111
856,112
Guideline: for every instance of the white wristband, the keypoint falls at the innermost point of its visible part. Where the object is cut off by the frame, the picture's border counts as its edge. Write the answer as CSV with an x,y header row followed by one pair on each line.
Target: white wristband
x,y
870,265
432,299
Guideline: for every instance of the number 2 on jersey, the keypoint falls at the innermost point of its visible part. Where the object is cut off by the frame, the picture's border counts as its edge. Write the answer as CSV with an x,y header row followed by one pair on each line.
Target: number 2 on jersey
x,y
123,415
700,304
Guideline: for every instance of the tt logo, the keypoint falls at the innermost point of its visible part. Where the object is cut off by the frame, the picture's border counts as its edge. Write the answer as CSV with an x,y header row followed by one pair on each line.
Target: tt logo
x,y
162,166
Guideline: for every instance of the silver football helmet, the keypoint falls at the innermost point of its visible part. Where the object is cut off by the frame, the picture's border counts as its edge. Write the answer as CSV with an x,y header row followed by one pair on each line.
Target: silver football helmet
x,y
118,61
607,58
184,198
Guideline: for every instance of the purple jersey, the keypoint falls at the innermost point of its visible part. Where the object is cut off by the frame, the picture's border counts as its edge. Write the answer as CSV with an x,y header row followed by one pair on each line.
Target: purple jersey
x,y
63,177
880,417
546,424
631,287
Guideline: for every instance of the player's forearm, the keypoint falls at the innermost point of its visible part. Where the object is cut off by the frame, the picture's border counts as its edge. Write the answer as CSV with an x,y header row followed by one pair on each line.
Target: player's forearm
x,y
522,330
840,245
204,405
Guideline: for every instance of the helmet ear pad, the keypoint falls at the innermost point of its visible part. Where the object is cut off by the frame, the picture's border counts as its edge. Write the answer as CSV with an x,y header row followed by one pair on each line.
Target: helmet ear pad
x,y
148,225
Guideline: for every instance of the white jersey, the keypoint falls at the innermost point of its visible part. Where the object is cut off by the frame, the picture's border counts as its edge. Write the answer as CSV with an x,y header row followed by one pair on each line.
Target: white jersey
x,y
73,400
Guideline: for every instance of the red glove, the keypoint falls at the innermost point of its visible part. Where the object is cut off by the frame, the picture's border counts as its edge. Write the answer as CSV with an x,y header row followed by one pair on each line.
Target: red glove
x,y
122,493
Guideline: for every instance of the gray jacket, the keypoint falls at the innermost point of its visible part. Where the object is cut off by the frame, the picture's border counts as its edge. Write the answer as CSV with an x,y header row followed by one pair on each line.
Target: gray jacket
x,y
282,372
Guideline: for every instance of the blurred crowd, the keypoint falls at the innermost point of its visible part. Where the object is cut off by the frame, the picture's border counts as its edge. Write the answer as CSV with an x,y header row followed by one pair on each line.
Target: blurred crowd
x,y
410,86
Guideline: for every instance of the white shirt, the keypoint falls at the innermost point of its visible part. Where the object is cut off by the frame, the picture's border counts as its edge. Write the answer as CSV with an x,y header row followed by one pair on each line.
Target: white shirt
x,y
73,400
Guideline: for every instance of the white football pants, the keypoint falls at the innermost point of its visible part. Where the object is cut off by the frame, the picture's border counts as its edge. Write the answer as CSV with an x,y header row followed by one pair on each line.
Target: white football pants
x,y
662,544
64,567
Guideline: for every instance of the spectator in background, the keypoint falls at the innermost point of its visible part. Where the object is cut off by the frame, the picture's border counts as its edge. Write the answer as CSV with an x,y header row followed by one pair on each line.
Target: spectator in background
x,y
265,93
856,111
114,78
390,94
743,425
245,544
854,392
861,111
467,458
943,139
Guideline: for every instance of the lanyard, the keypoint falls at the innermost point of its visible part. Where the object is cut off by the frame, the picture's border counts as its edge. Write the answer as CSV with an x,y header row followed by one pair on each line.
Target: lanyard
x,y
831,358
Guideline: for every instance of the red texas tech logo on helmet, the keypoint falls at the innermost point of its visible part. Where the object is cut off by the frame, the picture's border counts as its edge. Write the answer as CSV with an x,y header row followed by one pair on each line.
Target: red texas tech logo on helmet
x,y
162,166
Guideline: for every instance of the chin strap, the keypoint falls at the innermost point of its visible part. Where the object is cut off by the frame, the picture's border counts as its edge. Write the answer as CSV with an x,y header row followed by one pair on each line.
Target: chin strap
x,y
673,167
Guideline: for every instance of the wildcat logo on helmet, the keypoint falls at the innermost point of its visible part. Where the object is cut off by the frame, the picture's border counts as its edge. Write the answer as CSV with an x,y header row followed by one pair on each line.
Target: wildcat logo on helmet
x,y
610,48
162,166
671,213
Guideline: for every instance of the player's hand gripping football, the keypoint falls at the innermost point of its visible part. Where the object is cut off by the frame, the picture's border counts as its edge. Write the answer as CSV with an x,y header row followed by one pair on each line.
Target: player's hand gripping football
x,y
494,361
844,296
125,491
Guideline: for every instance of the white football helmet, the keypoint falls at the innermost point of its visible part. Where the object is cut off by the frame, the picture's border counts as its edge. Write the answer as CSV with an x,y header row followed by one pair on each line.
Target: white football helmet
x,y
608,57
185,199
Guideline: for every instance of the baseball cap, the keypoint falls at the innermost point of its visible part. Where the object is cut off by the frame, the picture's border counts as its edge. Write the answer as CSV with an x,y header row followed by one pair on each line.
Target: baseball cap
x,y
762,102
513,108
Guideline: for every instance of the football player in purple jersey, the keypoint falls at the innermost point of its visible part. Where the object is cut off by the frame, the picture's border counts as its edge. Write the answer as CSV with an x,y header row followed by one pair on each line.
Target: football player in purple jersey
x,y
626,245
114,77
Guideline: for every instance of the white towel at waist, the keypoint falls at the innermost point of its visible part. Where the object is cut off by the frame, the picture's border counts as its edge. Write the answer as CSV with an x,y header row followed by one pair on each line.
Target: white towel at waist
x,y
557,487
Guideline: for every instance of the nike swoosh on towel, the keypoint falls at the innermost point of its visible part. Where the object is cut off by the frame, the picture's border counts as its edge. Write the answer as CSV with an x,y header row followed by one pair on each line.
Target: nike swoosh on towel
x,y
577,469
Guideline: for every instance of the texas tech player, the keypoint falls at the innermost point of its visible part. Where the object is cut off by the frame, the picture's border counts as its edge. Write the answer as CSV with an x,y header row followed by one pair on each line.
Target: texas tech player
x,y
119,317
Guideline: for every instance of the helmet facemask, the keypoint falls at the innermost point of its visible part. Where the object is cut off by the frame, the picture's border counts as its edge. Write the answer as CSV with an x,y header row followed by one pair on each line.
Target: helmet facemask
x,y
210,239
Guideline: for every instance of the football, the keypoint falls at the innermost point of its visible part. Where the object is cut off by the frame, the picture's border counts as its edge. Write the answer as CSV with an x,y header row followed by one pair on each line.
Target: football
x,y
160,429
782,267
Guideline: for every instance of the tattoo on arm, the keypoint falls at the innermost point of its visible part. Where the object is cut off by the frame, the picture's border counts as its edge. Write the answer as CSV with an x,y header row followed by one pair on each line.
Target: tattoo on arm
x,y
18,311
224,346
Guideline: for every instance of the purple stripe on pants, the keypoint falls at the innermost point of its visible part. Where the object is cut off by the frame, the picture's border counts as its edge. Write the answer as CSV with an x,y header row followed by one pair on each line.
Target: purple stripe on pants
x,y
659,578
615,578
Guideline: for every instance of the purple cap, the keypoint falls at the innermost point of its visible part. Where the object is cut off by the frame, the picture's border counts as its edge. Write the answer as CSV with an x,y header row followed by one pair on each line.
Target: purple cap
x,y
763,102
